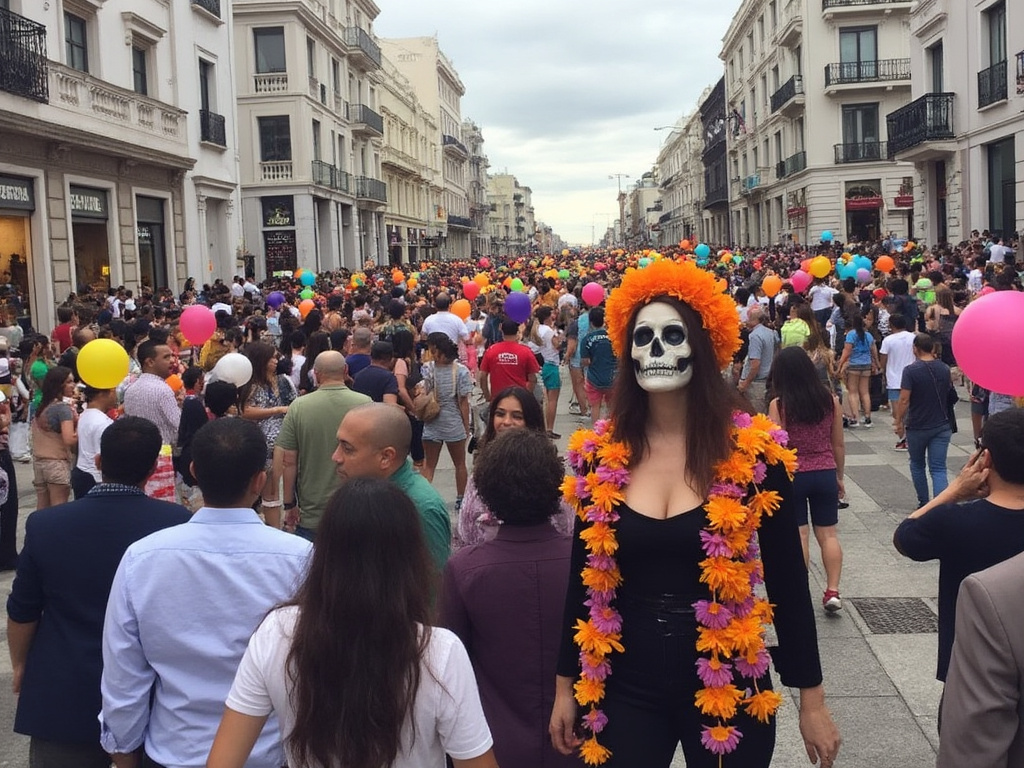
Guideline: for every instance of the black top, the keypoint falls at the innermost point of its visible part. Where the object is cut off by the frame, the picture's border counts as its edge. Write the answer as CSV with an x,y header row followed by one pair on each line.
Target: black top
x,y
929,383
375,382
965,539
658,557
64,575
193,416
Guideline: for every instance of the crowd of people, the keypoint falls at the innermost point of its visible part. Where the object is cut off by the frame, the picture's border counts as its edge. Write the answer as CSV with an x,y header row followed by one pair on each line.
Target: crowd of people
x,y
303,569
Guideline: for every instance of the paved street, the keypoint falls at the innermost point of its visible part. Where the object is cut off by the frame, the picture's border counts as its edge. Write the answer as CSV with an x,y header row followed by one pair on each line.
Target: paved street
x,y
878,652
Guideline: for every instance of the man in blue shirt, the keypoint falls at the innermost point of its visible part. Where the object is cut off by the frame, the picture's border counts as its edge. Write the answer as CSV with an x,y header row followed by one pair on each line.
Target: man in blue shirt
x,y
56,607
599,363
183,605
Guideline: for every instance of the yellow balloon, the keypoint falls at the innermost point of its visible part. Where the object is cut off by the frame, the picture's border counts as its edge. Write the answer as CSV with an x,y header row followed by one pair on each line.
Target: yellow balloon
x,y
821,266
102,363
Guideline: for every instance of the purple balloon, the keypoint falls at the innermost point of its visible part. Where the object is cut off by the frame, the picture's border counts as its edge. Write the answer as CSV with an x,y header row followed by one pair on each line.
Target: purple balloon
x,y
863,276
517,307
275,299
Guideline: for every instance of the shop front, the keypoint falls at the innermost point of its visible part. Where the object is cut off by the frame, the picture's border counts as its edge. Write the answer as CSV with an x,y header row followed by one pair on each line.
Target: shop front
x,y
17,205
280,250
90,212
863,211
149,213
394,235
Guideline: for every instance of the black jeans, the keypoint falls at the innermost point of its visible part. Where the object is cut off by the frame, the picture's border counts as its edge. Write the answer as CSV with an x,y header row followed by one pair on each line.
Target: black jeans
x,y
650,696
55,754
9,514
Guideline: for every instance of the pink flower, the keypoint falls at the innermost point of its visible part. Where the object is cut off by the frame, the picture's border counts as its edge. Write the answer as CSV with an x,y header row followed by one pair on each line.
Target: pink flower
x,y
712,615
741,419
720,739
715,545
595,721
575,459
755,670
589,446
594,671
617,477
780,436
727,489
756,575
606,619
760,471
582,492
714,674
601,426
601,562
742,610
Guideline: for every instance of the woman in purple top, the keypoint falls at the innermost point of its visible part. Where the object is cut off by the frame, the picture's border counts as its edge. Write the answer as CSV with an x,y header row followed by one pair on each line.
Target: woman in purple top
x,y
504,598
813,417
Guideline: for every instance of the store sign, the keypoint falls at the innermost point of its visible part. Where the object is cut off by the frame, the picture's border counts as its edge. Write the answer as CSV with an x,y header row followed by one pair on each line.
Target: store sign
x,y
17,192
278,211
88,203
904,201
863,203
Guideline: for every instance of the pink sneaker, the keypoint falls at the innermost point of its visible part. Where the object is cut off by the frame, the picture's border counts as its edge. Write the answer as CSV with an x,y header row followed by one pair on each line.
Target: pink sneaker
x,y
832,601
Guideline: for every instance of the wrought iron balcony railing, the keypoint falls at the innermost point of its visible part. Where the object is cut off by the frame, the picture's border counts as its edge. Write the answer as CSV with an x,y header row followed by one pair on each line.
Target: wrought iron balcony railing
x,y
450,141
211,128
861,152
326,175
827,4
879,70
371,189
460,221
23,64
992,84
928,118
360,113
789,89
792,164
212,6
359,38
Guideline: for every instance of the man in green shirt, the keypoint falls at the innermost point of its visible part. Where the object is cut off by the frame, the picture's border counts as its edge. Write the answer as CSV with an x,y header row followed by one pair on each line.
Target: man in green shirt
x,y
305,443
373,441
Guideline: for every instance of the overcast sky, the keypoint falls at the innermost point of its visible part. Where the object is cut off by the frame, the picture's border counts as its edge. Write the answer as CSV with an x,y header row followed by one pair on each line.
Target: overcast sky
x,y
568,92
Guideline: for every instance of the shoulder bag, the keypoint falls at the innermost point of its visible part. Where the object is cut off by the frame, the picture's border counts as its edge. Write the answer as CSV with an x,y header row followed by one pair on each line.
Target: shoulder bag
x,y
950,400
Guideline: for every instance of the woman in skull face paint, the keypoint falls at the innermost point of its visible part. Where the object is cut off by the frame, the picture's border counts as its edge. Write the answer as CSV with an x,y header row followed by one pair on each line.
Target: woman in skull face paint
x,y
676,424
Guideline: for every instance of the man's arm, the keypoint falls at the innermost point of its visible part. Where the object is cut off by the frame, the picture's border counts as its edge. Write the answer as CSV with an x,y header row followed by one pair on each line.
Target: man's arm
x,y
484,381
289,463
19,640
900,411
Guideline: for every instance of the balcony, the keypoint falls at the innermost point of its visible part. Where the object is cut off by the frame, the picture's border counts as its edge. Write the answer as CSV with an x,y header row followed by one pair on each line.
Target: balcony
x,y
326,175
992,85
792,164
880,71
832,8
371,189
23,65
276,170
791,26
922,130
270,82
716,195
365,121
1020,73
750,183
861,152
452,143
211,128
790,97
210,6
365,52
460,222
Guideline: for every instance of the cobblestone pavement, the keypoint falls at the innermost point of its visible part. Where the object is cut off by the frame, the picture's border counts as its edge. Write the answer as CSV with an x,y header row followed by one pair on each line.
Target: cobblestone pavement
x,y
878,652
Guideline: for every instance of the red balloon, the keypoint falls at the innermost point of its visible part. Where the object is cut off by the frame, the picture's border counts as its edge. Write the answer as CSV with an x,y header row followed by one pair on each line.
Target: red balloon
x,y
471,290
484,263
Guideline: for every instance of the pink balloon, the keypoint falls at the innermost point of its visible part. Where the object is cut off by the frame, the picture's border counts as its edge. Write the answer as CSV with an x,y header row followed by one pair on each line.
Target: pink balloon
x,y
484,263
988,344
800,281
197,324
470,290
593,294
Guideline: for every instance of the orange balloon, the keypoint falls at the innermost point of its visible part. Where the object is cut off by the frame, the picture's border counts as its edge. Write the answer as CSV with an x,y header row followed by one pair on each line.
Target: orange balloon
x,y
771,285
174,382
461,308
482,279
306,306
885,264
684,244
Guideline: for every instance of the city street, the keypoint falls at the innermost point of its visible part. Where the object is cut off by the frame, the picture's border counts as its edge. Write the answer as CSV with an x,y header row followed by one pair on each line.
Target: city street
x,y
878,653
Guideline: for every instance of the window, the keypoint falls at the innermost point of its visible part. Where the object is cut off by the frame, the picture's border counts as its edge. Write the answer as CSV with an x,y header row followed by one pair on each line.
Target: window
x,y
860,132
773,14
336,76
140,78
269,43
858,54
275,138
935,61
996,23
1002,197
311,56
76,46
316,140
205,78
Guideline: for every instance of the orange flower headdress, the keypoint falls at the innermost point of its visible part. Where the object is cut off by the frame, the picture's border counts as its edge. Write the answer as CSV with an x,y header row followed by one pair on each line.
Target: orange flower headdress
x,y
692,286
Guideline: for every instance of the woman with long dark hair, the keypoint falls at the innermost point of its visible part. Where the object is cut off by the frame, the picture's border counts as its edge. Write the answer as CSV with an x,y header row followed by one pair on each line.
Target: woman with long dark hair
x,y
450,381
407,372
813,417
858,364
663,625
352,668
54,435
318,341
543,339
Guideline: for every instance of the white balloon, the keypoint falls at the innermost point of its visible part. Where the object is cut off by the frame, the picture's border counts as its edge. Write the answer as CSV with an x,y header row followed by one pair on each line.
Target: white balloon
x,y
234,368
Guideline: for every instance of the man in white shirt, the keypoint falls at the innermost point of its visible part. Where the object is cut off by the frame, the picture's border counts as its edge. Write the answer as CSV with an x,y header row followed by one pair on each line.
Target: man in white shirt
x,y
445,322
237,290
896,353
997,251
975,276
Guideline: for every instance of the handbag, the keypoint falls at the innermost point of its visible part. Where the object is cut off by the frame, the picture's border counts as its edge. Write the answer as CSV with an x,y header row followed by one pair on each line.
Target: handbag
x,y
951,399
426,405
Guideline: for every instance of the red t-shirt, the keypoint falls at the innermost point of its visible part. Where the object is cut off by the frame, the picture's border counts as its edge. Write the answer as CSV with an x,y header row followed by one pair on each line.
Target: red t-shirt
x,y
508,364
62,335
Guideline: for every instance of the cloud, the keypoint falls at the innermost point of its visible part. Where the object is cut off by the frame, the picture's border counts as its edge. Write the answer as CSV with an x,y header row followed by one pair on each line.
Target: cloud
x,y
568,92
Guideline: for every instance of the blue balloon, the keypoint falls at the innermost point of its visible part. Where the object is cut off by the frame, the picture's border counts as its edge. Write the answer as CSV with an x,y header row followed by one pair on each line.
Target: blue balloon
x,y
702,251
517,307
862,262
827,235
848,270
308,278
702,262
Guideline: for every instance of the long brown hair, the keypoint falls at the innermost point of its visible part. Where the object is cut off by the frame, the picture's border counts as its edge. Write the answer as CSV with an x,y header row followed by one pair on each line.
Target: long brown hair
x,y
709,402
362,630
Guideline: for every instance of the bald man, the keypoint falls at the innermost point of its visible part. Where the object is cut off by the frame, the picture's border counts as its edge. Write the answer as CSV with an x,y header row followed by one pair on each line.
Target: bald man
x,y
306,441
762,346
373,441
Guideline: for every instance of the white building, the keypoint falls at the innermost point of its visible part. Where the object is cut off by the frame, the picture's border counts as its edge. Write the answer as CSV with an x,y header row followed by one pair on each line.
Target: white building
x,y
511,222
643,210
964,131
310,134
681,176
117,148
808,86
476,187
439,89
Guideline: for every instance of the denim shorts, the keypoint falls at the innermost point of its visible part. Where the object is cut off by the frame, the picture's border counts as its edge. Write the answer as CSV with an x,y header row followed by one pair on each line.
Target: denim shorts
x,y
894,395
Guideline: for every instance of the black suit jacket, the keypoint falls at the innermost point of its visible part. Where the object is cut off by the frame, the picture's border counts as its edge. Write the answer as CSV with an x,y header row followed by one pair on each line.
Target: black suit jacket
x,y
63,580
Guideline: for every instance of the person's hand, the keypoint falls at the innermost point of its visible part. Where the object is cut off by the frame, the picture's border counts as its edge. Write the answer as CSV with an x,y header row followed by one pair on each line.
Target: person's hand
x,y
819,732
282,410
842,488
291,519
563,721
19,673
972,482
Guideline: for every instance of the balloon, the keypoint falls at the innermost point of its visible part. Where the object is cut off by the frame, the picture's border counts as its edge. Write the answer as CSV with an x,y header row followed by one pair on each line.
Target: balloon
x,y
397,276
771,285
987,342
800,281
507,283
565,251
600,266
462,308
684,245
298,273
517,286
643,262
737,259
885,264
805,265
484,263
174,382
702,262
863,276
307,293
275,299
820,266
482,280
848,270
308,278
305,306
593,294
702,251
470,290
517,307
826,236
197,325
413,282
551,274
862,262
234,368
103,363
563,274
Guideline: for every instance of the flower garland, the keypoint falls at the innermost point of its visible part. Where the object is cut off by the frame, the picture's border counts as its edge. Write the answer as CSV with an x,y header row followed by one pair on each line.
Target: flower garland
x,y
731,622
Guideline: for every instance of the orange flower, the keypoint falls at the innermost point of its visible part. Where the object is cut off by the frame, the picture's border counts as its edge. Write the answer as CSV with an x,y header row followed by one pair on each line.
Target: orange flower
x,y
592,640
725,513
577,438
602,581
745,634
588,691
725,576
719,702
764,610
606,496
600,539
714,641
614,455
752,441
764,502
568,489
739,540
777,454
737,469
762,423
593,753
762,705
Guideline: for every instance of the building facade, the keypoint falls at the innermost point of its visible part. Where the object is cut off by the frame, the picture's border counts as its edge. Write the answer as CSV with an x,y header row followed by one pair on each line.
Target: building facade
x,y
116,131
681,179
964,130
715,224
310,134
808,86
511,220
476,188
643,209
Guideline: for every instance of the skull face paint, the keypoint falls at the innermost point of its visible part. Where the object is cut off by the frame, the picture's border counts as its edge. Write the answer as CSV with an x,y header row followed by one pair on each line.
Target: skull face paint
x,y
661,352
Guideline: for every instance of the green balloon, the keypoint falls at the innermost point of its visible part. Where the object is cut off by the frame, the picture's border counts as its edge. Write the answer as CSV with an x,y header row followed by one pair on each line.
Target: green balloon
x,y
563,274
307,293
517,284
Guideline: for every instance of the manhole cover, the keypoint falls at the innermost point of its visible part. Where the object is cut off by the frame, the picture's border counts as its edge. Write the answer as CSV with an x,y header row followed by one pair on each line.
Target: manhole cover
x,y
896,615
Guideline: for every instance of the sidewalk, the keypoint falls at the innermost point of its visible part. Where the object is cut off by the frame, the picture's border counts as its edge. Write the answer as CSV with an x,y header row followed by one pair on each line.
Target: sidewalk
x,y
878,653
